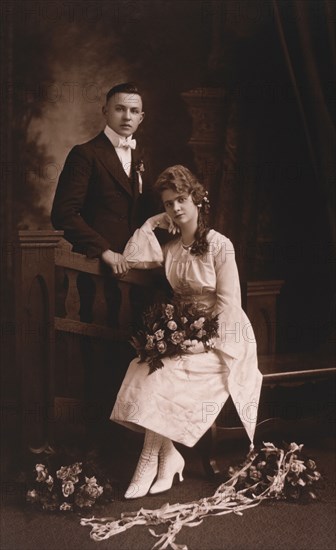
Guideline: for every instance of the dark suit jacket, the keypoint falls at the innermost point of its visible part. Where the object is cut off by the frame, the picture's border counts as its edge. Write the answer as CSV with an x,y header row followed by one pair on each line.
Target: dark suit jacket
x,y
96,204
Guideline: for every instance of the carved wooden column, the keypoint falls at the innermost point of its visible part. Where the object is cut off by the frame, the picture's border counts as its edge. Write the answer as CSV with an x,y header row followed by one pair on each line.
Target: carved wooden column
x,y
34,333
207,108
214,145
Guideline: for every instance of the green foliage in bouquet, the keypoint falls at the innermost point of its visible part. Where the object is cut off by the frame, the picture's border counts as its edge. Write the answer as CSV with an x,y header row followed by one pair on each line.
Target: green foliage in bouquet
x,y
169,330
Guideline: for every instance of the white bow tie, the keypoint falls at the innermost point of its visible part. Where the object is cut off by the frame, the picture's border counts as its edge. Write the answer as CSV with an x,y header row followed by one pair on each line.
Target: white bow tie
x,y
127,142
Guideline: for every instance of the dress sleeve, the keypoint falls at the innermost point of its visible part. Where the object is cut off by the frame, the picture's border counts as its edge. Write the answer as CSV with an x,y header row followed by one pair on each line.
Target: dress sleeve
x,y
232,319
143,250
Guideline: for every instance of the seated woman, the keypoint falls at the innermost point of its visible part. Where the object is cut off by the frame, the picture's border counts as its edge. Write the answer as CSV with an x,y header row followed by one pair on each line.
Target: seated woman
x,y
180,401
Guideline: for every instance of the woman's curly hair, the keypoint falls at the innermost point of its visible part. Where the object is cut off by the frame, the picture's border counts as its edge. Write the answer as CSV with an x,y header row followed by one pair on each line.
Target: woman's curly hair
x,y
181,180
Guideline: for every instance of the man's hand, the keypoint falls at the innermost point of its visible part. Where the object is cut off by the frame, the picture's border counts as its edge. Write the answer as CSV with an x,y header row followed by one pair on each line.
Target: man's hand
x,y
116,262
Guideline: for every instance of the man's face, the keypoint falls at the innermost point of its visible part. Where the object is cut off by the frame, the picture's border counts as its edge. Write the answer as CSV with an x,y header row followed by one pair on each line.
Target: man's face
x,y
123,113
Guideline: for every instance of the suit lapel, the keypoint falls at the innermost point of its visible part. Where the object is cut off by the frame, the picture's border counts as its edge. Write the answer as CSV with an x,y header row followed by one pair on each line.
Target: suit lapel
x,y
108,156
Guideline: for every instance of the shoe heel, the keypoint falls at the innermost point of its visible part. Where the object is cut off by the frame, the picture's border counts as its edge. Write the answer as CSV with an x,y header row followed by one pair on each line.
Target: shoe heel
x,y
168,478
180,474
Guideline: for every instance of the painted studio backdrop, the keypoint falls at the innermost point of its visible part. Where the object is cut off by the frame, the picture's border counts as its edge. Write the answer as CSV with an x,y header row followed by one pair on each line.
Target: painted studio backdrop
x,y
238,91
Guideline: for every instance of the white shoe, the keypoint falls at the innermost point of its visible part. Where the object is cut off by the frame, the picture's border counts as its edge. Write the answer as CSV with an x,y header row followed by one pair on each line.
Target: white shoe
x,y
170,464
147,467
143,478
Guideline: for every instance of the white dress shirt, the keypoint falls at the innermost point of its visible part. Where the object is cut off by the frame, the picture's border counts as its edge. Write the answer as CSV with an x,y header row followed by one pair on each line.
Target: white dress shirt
x,y
124,153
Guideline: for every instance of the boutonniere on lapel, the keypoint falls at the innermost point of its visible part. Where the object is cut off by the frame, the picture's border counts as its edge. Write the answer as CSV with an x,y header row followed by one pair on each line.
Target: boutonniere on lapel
x,y
140,168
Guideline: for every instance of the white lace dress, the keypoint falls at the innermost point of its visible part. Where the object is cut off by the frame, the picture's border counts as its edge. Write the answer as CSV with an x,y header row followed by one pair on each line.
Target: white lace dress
x,y
182,400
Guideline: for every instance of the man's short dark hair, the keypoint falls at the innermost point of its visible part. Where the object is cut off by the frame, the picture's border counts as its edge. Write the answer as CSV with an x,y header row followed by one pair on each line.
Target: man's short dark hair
x,y
124,88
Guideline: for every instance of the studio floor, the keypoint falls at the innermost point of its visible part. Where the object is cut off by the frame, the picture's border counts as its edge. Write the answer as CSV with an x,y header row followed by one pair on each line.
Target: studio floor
x,y
279,525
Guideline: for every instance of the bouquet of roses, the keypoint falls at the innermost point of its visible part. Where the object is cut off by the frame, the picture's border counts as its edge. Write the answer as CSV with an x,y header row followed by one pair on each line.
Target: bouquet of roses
x,y
278,473
170,330
65,490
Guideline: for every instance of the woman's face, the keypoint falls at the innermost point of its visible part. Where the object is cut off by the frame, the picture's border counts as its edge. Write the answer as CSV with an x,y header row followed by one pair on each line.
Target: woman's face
x,y
180,207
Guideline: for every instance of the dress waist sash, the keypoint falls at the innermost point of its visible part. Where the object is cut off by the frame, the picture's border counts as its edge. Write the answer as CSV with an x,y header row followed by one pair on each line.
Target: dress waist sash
x,y
204,301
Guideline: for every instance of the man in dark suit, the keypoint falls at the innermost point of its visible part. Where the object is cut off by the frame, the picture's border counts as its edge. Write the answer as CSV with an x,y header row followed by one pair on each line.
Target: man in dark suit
x,y
101,198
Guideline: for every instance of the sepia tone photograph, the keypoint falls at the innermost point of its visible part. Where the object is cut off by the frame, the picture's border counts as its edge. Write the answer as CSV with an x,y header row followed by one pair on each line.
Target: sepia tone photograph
x,y
168,274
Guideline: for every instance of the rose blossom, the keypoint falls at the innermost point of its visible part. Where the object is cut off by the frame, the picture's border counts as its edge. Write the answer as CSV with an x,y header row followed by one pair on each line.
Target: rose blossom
x,y
255,475
69,473
199,323
172,325
68,488
150,342
169,310
161,346
297,466
177,337
159,334
42,472
311,464
92,488
75,468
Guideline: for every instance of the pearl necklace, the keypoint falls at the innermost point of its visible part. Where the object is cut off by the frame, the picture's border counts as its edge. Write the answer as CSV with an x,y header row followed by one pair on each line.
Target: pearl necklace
x,y
187,246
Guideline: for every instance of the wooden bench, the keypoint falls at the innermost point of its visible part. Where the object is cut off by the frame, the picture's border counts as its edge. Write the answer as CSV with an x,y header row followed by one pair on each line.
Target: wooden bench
x,y
288,372
38,256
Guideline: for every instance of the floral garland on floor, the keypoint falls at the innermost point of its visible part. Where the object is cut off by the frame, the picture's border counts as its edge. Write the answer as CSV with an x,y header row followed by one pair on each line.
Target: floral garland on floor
x,y
271,473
